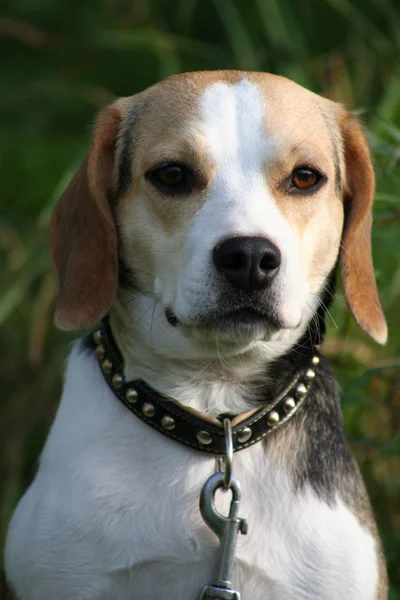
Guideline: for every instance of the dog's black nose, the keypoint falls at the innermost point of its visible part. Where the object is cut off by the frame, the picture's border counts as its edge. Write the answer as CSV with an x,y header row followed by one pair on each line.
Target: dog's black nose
x,y
249,263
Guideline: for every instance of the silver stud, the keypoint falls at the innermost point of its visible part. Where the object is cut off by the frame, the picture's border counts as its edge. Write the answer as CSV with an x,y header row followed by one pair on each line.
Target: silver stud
x,y
301,390
117,380
244,435
100,351
106,366
98,336
273,418
148,409
309,374
168,423
131,395
204,438
289,404
315,360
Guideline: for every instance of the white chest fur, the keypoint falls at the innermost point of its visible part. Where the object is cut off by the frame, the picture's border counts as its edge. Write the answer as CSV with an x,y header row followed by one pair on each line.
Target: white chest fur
x,y
113,514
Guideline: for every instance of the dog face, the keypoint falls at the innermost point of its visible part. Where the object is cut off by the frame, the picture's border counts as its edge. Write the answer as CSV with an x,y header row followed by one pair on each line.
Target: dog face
x,y
224,196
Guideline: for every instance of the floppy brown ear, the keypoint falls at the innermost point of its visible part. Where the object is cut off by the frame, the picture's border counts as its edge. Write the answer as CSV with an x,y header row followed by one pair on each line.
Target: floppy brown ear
x,y
357,269
83,238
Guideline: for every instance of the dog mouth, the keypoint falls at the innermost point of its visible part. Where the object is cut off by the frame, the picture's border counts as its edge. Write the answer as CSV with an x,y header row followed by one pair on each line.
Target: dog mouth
x,y
247,317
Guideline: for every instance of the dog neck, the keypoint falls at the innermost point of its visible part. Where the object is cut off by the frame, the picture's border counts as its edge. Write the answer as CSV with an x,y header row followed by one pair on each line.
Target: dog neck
x,y
213,383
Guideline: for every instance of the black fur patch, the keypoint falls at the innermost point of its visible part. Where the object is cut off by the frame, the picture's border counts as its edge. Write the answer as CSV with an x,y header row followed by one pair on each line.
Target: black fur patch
x,y
86,344
126,275
326,462
126,145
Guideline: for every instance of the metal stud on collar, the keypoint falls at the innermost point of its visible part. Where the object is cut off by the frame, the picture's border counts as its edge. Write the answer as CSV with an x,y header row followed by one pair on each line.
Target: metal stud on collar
x,y
106,366
117,380
289,405
309,374
131,395
204,438
301,390
244,435
168,423
100,351
148,409
273,418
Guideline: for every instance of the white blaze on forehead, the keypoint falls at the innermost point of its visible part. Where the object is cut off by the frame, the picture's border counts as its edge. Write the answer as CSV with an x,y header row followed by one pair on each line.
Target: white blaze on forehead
x,y
233,120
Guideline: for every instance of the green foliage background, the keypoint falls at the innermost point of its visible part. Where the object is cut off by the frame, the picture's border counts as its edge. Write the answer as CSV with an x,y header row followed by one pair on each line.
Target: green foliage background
x,y
62,61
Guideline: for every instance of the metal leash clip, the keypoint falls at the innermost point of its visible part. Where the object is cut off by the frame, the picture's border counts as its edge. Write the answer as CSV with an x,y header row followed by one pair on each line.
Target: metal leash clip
x,y
226,528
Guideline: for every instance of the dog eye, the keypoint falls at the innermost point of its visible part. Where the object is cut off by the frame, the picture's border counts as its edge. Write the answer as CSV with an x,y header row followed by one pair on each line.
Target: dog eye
x,y
171,178
170,175
305,178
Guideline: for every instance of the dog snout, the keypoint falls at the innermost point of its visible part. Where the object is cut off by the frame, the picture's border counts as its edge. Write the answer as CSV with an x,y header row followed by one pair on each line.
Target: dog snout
x,y
248,263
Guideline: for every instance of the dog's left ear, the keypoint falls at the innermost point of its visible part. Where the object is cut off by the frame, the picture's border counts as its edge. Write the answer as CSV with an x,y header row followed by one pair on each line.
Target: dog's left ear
x,y
83,237
357,268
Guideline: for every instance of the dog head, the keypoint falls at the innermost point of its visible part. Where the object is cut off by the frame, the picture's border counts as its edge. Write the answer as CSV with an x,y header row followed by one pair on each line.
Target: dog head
x,y
226,199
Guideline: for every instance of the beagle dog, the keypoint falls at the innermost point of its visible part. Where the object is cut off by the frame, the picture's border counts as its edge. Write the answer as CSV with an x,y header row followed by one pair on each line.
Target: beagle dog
x,y
204,230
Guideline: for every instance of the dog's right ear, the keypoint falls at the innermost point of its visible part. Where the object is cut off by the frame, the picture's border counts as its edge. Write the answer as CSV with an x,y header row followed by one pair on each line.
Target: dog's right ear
x,y
83,237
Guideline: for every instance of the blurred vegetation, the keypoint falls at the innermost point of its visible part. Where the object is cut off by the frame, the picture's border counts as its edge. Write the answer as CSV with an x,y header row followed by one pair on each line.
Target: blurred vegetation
x,y
62,61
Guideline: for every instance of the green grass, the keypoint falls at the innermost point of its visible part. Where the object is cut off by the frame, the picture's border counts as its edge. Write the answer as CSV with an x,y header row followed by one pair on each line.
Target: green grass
x,y
64,61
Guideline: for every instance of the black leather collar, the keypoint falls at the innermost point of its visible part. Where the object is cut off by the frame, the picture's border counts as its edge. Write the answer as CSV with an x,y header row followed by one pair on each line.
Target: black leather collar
x,y
189,426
